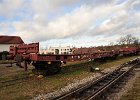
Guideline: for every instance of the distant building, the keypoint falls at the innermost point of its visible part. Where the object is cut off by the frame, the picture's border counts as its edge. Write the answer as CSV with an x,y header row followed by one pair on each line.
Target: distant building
x,y
57,50
7,41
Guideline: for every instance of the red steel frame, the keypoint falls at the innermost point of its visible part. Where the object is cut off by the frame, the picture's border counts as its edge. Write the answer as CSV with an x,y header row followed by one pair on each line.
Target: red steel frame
x,y
30,52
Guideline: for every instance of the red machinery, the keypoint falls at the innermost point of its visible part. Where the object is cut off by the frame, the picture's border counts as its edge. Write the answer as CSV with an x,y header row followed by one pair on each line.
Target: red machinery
x,y
83,54
125,51
29,53
50,63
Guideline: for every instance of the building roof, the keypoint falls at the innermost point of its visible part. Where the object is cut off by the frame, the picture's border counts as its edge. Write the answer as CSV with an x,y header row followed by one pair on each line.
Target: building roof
x,y
59,47
10,40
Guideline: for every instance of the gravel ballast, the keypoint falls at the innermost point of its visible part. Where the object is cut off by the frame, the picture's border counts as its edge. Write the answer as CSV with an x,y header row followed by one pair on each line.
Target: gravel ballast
x,y
74,85
86,80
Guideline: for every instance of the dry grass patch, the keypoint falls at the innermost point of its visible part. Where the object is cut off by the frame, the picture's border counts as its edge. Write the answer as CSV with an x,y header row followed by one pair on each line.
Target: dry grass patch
x,y
115,63
34,86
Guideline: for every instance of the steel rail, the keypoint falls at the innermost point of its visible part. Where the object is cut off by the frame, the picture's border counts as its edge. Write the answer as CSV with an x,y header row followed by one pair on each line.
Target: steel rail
x,y
13,81
8,62
64,96
95,95
100,90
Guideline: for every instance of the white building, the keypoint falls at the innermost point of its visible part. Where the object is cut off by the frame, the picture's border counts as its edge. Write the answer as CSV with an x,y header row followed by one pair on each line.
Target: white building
x,y
7,41
57,50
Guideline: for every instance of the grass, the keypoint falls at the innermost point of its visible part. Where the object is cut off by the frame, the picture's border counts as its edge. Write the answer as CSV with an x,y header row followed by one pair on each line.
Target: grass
x,y
34,86
102,65
115,62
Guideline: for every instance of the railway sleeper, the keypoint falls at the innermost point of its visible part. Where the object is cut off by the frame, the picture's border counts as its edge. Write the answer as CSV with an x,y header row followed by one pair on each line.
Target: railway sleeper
x,y
108,82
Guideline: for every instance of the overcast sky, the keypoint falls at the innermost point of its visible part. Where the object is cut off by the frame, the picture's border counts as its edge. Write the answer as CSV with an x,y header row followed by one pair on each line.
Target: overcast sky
x,y
70,22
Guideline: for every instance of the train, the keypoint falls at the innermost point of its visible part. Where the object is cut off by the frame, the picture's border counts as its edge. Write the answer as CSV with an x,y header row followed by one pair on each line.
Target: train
x,y
47,64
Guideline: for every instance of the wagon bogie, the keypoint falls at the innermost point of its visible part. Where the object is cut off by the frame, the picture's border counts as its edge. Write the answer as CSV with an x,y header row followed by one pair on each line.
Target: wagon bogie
x,y
47,67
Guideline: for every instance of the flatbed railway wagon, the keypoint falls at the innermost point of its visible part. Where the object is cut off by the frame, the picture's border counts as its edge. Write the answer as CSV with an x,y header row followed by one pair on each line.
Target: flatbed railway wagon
x,y
51,63
95,55
43,63
129,51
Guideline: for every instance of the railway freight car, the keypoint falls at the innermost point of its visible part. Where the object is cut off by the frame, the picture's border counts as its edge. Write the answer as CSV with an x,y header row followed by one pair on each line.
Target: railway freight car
x,y
44,63
128,51
51,63
95,54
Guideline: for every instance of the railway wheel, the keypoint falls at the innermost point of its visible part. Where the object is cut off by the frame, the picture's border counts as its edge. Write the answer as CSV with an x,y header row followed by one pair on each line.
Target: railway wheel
x,y
52,68
47,68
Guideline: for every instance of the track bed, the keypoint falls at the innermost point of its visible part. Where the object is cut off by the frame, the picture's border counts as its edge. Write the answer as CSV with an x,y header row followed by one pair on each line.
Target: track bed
x,y
95,90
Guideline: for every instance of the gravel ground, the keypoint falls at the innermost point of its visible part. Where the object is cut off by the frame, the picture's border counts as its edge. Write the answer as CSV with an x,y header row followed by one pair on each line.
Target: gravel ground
x,y
78,83
125,88
67,88
74,85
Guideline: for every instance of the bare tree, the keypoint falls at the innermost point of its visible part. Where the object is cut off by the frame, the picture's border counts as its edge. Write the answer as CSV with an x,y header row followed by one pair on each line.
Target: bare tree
x,y
111,43
136,41
122,41
128,39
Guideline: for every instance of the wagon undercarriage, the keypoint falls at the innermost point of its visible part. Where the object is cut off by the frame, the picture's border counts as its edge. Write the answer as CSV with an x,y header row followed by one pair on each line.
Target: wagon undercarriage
x,y
46,68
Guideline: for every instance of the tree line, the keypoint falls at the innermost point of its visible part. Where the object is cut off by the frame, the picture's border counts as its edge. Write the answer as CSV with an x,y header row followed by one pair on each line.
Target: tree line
x,y
126,40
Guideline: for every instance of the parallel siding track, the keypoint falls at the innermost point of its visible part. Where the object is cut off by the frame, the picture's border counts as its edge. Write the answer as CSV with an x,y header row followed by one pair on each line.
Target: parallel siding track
x,y
13,82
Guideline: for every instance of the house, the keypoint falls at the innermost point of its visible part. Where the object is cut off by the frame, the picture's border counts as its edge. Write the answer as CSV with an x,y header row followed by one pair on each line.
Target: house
x,y
7,41
57,50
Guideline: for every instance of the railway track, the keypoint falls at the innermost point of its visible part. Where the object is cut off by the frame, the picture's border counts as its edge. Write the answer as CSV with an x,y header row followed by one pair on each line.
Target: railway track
x,y
7,63
95,90
13,82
